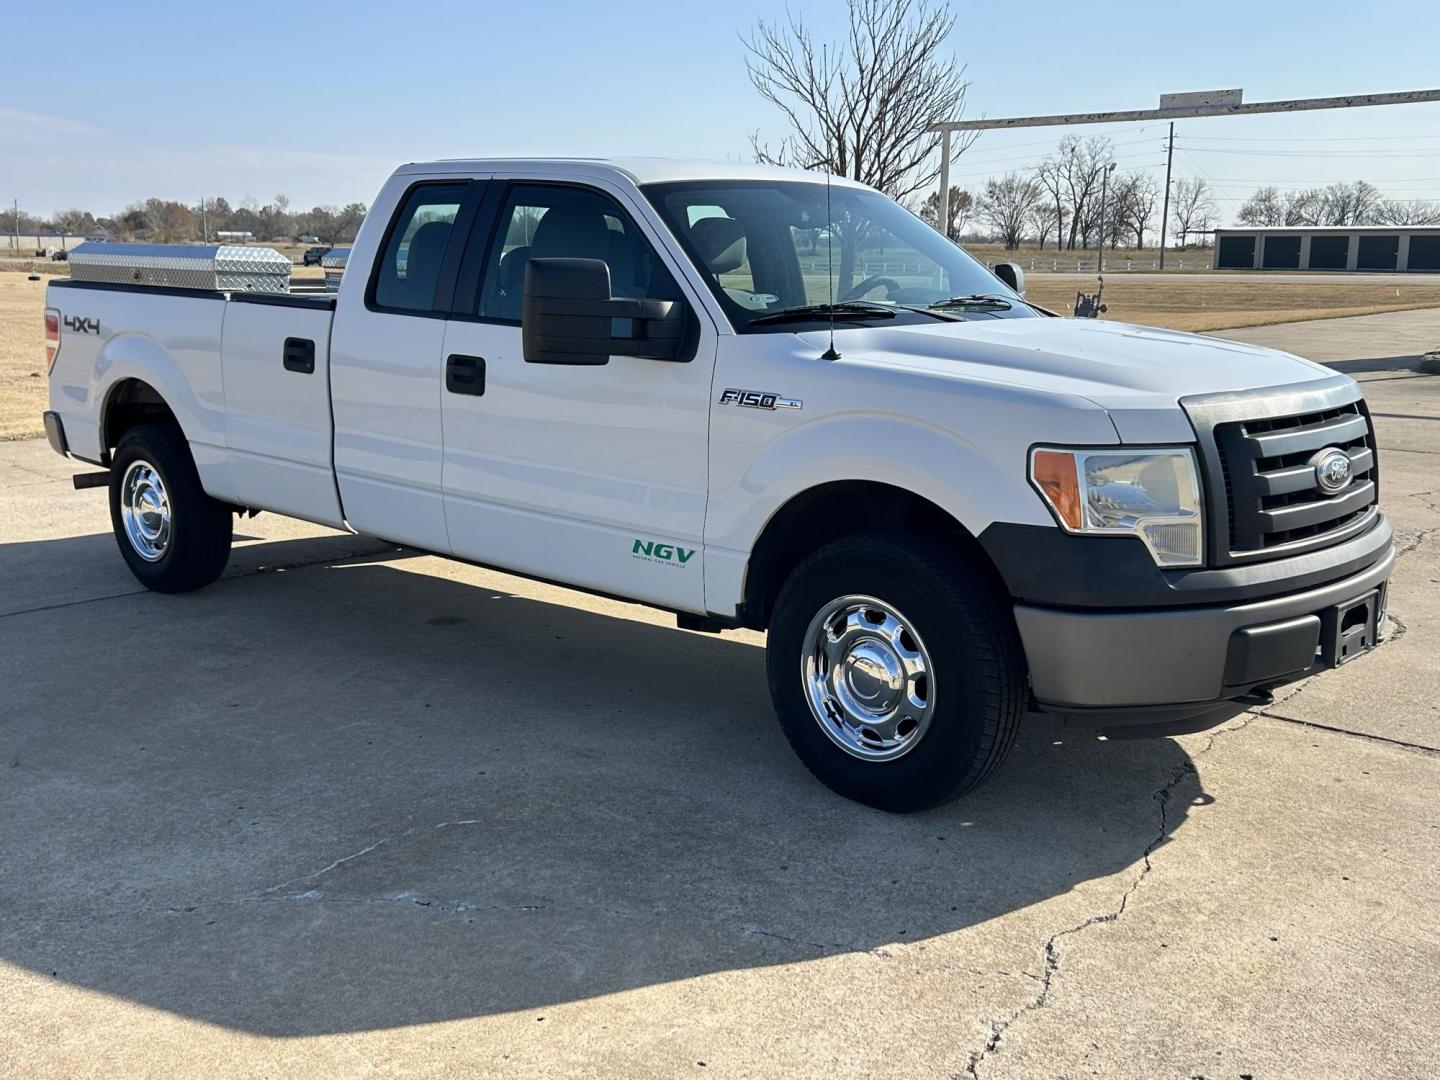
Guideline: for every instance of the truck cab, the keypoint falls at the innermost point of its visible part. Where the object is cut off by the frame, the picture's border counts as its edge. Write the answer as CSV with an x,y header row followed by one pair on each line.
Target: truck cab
x,y
761,398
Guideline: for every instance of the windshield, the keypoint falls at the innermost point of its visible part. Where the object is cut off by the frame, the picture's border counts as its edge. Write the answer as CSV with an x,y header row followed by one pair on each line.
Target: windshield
x,y
768,247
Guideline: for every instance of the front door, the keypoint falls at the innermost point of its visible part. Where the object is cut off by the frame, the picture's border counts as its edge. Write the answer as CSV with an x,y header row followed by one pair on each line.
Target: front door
x,y
594,476
385,363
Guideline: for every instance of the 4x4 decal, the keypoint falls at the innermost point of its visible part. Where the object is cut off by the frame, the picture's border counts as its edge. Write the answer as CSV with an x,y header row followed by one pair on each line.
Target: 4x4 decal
x,y
82,325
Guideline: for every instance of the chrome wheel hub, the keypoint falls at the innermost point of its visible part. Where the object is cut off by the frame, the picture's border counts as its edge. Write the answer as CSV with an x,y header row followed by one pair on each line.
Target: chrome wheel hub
x,y
145,511
867,678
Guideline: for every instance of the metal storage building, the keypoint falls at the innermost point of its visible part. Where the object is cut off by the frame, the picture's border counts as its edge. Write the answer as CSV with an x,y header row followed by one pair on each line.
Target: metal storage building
x,y
1402,248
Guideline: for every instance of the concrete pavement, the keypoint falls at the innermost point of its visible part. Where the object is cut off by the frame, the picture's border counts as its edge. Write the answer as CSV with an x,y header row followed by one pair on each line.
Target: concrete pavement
x,y
358,812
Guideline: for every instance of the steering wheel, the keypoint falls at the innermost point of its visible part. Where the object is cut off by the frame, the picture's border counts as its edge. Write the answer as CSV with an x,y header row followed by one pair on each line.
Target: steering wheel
x,y
869,284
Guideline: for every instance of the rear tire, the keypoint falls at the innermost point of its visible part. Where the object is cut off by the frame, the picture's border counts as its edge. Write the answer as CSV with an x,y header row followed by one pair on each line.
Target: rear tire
x,y
172,535
896,670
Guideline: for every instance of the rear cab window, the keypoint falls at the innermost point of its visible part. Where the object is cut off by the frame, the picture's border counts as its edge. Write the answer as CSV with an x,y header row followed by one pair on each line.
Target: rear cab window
x,y
408,268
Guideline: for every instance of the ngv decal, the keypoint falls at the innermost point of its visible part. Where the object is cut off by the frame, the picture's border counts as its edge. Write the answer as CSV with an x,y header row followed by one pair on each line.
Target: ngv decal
x,y
651,551
758,399
82,325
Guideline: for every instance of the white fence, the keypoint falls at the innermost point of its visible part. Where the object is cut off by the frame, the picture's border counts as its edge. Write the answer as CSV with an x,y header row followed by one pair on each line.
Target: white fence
x,y
1114,264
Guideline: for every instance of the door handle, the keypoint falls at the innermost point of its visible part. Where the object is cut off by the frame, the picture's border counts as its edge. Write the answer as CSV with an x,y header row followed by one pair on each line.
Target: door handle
x,y
465,374
299,355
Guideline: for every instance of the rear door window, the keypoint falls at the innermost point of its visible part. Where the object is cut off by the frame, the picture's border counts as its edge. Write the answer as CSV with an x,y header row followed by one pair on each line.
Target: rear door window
x,y
408,269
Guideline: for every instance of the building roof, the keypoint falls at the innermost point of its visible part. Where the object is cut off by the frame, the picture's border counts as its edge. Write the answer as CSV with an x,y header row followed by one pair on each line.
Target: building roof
x,y
1250,230
637,170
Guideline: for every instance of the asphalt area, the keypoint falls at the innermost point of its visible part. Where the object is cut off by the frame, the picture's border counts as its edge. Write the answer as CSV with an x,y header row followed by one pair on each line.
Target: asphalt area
x,y
353,811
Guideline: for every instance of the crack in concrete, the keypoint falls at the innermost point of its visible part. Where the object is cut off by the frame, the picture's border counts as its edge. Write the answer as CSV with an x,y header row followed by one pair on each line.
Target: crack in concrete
x,y
1051,952
346,859
833,947
1314,725
1414,542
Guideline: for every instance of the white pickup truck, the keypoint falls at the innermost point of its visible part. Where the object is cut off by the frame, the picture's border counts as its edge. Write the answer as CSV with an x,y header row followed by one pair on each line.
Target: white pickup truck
x,y
761,398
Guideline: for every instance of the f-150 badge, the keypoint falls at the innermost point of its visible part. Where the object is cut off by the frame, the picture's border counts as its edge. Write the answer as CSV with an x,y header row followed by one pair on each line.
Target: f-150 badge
x,y
758,399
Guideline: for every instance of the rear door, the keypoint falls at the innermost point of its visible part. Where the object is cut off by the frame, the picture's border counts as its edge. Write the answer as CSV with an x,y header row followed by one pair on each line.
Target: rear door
x,y
275,365
385,355
595,476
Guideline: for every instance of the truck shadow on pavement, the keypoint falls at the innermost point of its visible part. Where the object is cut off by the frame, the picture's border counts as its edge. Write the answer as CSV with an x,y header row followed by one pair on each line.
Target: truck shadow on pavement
x,y
367,794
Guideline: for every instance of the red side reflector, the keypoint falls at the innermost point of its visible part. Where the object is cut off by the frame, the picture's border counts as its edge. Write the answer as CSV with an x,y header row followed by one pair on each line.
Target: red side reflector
x,y
52,338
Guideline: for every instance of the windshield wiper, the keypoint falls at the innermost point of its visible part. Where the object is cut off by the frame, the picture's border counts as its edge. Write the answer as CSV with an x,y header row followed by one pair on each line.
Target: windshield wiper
x,y
841,309
975,300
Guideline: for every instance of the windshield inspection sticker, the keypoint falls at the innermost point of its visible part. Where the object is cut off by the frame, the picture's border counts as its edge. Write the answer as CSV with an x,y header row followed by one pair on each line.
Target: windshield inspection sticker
x,y
759,399
665,554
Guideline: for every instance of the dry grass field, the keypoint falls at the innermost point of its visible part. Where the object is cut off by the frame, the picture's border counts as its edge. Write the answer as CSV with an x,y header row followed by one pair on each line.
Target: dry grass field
x,y
22,356
1219,303
1184,303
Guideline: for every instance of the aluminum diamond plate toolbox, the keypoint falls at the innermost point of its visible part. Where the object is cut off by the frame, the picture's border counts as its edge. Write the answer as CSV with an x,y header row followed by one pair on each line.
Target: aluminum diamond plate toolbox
x,y
223,268
333,263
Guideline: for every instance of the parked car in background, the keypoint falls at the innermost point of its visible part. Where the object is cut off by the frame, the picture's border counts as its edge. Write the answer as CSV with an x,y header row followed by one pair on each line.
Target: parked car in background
x,y
313,256
59,256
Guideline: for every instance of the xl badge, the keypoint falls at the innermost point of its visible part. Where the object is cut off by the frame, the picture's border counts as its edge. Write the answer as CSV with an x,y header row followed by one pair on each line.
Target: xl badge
x,y
1333,470
758,399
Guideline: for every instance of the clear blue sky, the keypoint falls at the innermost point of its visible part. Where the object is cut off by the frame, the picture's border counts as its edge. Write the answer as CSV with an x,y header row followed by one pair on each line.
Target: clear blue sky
x,y
105,103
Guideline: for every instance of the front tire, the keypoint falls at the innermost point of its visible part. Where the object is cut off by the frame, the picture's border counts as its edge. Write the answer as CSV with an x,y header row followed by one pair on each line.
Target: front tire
x,y
896,670
172,535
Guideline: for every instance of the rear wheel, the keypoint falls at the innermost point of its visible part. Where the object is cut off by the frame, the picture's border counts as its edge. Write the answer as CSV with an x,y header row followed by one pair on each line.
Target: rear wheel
x,y
895,670
172,535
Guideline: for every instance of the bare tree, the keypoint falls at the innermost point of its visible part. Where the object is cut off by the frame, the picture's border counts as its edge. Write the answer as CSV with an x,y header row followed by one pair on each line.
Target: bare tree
x,y
1050,175
1267,207
1044,217
74,222
1137,195
1412,212
962,205
862,108
1191,205
1071,176
1350,204
1007,203
1304,208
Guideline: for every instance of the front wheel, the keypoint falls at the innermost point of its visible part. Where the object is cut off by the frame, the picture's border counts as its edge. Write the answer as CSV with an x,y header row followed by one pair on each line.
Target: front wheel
x,y
896,670
172,535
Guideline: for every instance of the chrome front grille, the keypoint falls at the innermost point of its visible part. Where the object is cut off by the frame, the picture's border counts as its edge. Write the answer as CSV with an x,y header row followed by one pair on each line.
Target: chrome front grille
x,y
1259,454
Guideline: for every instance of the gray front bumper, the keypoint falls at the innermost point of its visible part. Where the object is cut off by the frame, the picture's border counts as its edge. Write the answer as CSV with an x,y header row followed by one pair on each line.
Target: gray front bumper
x,y
1160,658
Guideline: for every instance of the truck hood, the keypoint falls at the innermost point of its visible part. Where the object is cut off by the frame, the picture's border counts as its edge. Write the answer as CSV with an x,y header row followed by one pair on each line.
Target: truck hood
x,y
1136,373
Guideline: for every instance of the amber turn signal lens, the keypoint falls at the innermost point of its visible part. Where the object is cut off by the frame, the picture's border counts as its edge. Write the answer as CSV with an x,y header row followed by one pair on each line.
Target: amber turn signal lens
x,y
1055,474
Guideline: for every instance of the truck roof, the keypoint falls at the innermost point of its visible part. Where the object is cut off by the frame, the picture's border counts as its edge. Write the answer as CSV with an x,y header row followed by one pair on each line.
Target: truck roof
x,y
637,170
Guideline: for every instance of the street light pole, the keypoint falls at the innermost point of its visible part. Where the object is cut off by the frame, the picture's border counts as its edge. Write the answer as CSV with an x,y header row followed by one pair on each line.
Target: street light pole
x,y
1100,256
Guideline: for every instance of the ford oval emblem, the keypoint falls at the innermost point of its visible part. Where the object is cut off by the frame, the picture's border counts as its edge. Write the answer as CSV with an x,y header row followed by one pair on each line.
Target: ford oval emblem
x,y
1333,470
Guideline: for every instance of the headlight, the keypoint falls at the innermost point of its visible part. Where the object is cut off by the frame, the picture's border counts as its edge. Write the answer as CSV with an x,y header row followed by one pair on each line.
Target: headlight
x,y
1152,494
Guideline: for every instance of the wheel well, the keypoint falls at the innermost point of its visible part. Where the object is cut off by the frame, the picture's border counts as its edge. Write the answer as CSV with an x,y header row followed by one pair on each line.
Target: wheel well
x,y
828,513
129,403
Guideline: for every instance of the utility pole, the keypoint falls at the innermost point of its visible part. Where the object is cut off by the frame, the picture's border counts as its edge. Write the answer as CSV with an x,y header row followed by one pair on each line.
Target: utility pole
x,y
1104,189
1165,208
15,226
204,221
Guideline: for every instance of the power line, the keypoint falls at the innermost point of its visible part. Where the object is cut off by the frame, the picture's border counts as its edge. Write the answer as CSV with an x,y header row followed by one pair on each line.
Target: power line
x,y
1312,138
1429,152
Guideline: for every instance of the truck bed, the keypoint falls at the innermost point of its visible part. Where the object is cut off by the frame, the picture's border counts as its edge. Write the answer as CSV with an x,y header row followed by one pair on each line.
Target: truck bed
x,y
246,375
